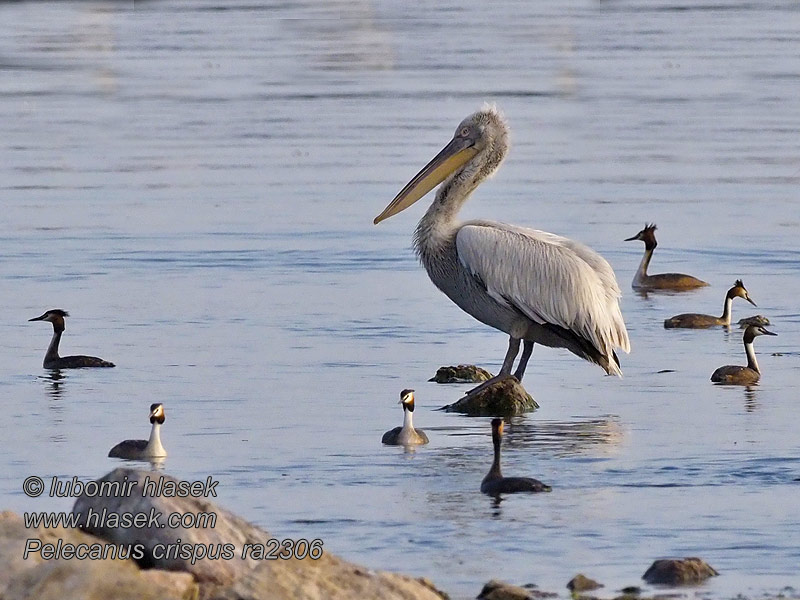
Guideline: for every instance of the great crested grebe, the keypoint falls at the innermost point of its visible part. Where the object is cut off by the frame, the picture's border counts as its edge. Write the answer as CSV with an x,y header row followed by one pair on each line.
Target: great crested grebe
x,y
535,286
743,375
405,435
662,281
494,482
144,449
697,321
51,359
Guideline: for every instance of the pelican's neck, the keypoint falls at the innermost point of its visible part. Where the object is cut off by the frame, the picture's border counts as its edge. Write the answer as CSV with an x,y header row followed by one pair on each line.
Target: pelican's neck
x,y
495,472
52,349
641,274
726,312
408,420
154,446
751,356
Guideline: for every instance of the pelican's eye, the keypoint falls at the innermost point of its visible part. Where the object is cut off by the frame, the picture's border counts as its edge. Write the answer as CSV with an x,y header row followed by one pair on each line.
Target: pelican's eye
x,y
464,132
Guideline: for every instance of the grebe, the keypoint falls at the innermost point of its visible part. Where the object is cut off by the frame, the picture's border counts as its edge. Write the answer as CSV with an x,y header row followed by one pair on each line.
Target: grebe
x,y
750,373
697,321
535,286
405,435
144,449
662,281
51,359
494,482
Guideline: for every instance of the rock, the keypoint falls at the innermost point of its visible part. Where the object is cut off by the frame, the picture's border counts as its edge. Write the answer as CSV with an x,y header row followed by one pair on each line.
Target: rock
x,y
754,320
505,398
631,590
581,583
248,578
461,374
37,579
679,571
500,590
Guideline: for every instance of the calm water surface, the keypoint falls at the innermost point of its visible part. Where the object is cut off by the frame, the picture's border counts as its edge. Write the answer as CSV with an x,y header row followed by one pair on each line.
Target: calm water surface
x,y
196,181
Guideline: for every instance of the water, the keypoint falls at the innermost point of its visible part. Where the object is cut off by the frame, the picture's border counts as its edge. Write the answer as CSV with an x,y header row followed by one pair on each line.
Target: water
x,y
196,181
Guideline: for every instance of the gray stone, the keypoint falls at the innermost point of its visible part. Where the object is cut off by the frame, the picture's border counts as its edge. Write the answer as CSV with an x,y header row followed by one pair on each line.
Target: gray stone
x,y
581,583
461,374
500,590
679,571
505,398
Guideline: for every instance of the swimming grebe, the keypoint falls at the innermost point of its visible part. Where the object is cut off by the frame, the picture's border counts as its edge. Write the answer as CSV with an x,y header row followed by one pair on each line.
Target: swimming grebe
x,y
494,482
144,449
51,359
662,281
697,321
750,373
405,435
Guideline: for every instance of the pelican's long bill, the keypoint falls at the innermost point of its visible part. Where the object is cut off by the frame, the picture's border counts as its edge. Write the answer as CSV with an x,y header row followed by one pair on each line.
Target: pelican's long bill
x,y
451,158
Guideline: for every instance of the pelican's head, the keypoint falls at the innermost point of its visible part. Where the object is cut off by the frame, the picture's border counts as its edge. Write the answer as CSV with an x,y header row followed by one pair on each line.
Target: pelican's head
x,y
54,316
407,400
157,413
738,291
647,235
484,132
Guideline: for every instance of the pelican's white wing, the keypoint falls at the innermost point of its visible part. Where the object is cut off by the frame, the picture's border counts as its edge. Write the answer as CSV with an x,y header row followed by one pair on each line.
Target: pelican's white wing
x,y
551,279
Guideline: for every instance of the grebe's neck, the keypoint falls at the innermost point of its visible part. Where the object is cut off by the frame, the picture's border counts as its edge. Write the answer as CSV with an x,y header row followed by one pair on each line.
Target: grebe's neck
x,y
641,273
154,446
726,312
52,349
408,420
751,356
495,472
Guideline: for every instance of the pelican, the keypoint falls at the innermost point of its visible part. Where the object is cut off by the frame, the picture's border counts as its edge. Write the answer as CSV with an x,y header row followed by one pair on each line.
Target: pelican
x,y
535,286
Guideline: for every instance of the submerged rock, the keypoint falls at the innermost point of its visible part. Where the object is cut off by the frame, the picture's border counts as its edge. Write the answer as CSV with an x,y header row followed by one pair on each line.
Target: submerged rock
x,y
506,398
461,374
581,583
500,590
754,320
679,571
254,576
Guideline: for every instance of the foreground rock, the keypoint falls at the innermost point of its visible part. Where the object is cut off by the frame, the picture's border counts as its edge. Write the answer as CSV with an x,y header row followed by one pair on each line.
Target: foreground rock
x,y
500,590
461,374
241,578
506,398
34,578
581,583
679,571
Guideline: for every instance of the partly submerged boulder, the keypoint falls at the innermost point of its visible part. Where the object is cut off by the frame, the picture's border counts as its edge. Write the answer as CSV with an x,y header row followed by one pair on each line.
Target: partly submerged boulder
x,y
461,374
504,398
581,583
679,571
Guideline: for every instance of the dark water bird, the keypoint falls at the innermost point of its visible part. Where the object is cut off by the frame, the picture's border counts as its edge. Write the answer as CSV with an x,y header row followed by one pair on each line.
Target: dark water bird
x,y
495,483
662,281
51,359
535,286
736,374
405,435
698,321
144,449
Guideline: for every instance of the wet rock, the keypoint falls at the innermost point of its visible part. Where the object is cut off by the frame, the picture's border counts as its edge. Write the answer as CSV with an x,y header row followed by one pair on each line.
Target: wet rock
x,y
37,579
754,320
500,590
461,374
581,583
679,571
631,590
248,578
505,398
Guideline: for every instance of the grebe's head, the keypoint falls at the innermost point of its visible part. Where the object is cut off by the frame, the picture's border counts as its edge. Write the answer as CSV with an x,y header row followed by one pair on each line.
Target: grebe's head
x,y
407,400
157,414
646,235
738,291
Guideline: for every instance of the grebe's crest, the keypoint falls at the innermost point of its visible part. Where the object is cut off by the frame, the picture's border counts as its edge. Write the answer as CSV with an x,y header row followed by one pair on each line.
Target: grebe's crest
x,y
157,413
738,283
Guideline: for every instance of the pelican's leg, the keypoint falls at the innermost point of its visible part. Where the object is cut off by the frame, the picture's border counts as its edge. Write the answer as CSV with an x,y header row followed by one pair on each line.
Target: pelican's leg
x,y
527,350
505,370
